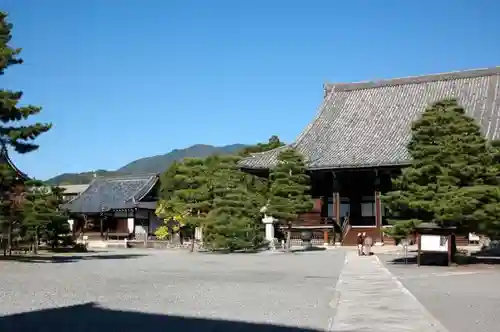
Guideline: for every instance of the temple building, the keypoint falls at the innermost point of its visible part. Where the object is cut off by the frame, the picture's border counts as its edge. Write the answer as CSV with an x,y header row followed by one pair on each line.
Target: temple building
x,y
120,207
358,140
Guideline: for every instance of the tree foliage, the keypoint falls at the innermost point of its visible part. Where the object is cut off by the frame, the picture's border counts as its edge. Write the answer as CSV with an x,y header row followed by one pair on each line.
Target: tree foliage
x,y
214,194
453,177
232,223
20,136
41,214
290,185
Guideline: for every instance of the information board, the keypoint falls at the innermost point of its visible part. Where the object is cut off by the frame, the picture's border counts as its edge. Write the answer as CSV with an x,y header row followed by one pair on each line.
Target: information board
x,y
433,243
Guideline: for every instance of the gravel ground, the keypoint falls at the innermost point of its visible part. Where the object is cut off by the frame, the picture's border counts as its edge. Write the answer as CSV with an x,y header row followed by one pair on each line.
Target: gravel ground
x,y
272,288
464,298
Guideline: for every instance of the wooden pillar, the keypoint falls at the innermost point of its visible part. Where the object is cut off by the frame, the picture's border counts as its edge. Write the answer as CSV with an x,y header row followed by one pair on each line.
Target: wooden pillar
x,y
378,208
325,237
101,224
336,204
336,199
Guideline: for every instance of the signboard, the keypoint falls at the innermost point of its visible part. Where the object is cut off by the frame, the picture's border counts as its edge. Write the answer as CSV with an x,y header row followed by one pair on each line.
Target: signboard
x,y
130,224
433,243
71,222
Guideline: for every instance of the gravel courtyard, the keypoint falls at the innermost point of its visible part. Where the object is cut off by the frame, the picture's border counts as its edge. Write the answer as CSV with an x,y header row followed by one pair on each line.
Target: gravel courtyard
x,y
463,299
270,288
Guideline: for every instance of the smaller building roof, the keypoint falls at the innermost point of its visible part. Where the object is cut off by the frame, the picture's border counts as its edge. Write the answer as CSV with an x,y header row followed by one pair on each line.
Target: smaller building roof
x,y
113,193
74,188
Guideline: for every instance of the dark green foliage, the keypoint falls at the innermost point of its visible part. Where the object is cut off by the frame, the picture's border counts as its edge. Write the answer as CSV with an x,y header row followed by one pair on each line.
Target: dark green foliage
x,y
453,178
232,223
185,194
41,214
290,185
9,207
13,133
20,137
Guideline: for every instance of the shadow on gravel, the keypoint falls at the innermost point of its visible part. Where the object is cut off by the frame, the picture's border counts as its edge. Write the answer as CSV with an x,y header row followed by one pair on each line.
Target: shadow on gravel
x,y
311,249
441,260
91,318
65,258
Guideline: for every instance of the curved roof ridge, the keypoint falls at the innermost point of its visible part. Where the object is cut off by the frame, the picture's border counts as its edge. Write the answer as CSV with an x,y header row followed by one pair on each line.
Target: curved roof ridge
x,y
445,76
321,110
143,191
125,176
256,154
5,154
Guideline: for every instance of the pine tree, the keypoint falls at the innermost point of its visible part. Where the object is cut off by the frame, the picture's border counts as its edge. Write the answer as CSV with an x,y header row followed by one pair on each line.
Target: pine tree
x,y
189,193
289,192
12,133
232,224
20,137
10,199
41,214
453,177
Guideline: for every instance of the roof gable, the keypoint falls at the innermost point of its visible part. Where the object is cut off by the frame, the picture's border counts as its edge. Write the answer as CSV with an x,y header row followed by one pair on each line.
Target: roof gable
x,y
112,193
369,123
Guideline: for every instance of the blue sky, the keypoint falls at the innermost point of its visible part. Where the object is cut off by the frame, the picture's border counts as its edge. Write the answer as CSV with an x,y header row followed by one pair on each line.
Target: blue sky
x,y
124,79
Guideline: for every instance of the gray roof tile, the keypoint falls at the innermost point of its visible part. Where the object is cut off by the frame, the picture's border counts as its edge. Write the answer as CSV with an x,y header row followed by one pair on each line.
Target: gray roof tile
x,y
368,124
113,193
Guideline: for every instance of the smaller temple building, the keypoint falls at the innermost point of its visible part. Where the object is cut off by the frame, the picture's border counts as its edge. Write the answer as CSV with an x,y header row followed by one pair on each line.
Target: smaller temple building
x,y
120,207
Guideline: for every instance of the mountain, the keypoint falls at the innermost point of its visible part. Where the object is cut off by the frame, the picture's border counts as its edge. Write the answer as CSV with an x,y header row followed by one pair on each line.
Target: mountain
x,y
154,164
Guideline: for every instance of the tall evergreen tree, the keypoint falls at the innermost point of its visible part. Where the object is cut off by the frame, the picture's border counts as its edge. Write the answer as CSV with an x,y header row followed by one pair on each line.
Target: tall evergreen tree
x,y
232,223
42,215
289,192
20,137
186,193
452,179
12,132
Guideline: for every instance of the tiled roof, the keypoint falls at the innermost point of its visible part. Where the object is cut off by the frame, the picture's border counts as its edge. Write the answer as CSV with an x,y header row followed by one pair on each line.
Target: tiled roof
x,y
368,124
112,193
74,188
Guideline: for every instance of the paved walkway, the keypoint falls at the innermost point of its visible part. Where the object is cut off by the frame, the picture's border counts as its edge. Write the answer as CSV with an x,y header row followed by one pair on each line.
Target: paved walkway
x,y
369,298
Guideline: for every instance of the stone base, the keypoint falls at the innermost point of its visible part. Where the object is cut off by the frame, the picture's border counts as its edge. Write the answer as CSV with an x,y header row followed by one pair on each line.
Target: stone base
x,y
379,244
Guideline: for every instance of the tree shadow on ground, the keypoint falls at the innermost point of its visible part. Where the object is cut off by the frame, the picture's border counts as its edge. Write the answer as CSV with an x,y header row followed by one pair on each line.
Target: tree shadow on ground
x,y
90,317
487,252
44,258
311,249
442,260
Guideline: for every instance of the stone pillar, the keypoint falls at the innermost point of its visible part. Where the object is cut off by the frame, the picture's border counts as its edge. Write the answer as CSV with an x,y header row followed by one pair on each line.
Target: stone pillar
x,y
198,234
269,222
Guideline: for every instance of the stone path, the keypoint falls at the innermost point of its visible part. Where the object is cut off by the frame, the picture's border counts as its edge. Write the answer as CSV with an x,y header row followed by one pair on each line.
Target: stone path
x,y
369,298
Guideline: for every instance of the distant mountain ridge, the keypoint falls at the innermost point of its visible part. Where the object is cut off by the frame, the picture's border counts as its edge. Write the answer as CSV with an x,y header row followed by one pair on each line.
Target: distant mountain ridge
x,y
154,164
